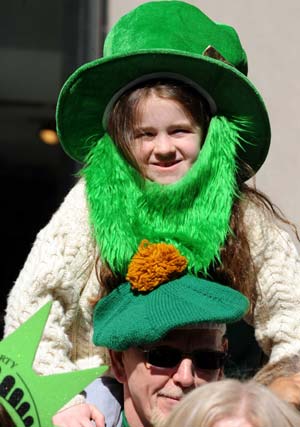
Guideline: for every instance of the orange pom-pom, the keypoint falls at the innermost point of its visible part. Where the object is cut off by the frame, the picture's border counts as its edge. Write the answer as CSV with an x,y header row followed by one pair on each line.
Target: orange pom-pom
x,y
153,264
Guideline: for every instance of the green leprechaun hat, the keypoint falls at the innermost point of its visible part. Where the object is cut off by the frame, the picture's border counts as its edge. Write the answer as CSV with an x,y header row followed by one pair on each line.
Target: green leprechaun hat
x,y
32,400
164,39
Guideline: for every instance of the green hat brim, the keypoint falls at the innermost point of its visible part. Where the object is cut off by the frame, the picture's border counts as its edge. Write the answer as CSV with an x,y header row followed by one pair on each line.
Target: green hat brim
x,y
85,95
126,318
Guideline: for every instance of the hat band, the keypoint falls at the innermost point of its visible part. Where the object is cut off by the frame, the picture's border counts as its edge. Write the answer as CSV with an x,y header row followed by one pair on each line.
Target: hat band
x,y
174,76
205,325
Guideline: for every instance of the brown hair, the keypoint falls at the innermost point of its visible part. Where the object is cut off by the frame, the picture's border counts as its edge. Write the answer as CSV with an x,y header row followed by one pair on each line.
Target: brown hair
x,y
237,268
123,119
126,112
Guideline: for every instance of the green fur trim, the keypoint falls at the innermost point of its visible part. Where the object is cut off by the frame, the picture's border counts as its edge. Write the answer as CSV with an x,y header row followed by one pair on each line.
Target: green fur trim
x,y
193,213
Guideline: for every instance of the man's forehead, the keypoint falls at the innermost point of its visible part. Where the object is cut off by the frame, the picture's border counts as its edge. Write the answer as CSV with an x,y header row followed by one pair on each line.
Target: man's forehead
x,y
197,336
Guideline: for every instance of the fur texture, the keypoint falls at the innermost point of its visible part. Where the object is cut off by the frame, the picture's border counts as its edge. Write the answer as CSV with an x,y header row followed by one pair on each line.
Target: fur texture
x,y
193,214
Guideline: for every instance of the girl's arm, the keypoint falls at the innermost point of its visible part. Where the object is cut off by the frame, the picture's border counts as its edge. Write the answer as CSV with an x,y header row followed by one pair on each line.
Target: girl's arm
x,y
57,268
276,315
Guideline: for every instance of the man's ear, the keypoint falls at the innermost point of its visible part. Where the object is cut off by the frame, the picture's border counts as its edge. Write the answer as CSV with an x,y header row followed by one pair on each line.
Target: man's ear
x,y
225,344
117,365
224,348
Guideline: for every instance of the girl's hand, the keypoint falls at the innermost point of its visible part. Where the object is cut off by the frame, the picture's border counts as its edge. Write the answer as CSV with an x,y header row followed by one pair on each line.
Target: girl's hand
x,y
83,415
287,388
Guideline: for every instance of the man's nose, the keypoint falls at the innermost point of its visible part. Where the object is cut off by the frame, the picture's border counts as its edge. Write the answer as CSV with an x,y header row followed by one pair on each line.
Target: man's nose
x,y
163,145
185,373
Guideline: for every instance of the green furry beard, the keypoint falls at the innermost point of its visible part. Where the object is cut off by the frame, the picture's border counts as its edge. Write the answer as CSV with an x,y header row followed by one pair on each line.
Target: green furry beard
x,y
193,214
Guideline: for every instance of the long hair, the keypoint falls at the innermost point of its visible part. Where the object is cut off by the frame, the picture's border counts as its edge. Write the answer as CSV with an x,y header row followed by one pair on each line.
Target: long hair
x,y
225,399
237,268
126,112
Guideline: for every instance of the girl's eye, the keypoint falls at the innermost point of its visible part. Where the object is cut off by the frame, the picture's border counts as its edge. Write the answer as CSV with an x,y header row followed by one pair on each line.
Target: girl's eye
x,y
181,130
143,134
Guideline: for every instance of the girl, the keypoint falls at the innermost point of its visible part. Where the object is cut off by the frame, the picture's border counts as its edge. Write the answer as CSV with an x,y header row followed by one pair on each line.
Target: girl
x,y
169,128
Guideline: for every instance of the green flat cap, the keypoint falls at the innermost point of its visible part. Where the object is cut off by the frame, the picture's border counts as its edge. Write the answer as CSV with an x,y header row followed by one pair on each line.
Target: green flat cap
x,y
127,318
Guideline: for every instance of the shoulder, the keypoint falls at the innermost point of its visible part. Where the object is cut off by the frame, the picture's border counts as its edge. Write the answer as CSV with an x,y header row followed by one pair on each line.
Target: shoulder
x,y
266,237
74,205
65,247
72,215
260,222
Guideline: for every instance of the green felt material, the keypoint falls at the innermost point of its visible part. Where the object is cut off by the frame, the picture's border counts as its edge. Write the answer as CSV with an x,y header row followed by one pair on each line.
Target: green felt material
x,y
163,37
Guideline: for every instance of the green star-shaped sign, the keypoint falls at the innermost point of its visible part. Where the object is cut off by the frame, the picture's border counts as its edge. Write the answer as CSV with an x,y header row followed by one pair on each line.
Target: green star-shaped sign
x,y
30,399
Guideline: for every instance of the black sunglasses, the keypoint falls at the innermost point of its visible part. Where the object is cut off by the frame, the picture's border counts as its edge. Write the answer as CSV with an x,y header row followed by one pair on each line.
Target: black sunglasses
x,y
170,357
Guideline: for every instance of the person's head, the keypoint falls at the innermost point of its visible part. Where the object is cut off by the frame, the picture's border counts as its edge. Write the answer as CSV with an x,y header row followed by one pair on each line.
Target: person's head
x,y
165,334
158,375
164,40
159,127
231,403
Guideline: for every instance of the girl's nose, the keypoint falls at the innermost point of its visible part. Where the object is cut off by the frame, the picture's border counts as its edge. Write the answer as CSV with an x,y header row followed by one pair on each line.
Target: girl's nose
x,y
163,145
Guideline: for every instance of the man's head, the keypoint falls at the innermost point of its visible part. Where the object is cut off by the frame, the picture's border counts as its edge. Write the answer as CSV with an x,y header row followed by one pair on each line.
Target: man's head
x,y
156,376
165,336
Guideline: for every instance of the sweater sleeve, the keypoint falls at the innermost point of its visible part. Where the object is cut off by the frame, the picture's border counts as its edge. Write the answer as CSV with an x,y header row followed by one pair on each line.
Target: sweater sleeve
x,y
57,269
276,314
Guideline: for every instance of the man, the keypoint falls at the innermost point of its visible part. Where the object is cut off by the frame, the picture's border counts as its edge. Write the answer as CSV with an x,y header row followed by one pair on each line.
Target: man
x,y
158,375
165,342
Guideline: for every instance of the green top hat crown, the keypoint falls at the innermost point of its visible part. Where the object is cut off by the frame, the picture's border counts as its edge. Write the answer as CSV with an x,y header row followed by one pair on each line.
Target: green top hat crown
x,y
164,39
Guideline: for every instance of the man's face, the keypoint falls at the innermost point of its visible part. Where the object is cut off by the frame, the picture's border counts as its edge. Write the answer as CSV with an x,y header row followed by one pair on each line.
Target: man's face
x,y
150,392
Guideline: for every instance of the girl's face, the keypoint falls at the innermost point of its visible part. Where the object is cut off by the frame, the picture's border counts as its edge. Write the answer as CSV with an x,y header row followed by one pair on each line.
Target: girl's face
x,y
166,141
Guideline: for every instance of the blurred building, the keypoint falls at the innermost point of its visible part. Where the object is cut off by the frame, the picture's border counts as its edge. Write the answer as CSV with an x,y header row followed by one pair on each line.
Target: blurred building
x,y
41,43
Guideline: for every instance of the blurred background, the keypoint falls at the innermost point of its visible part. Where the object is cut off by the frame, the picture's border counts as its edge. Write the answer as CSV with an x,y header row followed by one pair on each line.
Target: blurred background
x,y
42,42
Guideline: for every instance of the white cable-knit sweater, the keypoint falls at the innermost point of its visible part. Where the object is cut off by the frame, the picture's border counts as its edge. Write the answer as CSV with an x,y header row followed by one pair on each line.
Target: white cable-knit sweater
x,y
61,267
